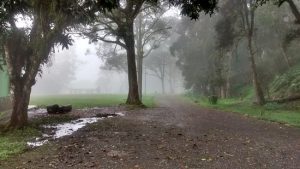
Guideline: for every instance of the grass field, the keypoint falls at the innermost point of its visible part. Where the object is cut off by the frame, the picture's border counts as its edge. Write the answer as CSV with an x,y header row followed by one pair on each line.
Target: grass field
x,y
14,142
84,101
270,112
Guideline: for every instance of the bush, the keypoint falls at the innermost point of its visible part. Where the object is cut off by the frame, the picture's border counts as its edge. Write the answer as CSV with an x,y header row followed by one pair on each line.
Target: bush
x,y
286,84
213,99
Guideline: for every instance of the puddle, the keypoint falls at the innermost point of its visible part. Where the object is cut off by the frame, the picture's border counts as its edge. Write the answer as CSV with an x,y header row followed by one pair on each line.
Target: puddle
x,y
30,107
65,129
36,111
120,114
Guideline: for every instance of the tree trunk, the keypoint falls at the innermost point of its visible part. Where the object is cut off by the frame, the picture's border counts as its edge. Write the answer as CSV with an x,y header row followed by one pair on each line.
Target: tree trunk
x,y
229,73
140,55
223,92
20,102
286,58
295,10
249,16
258,91
163,73
286,100
133,94
140,75
163,85
20,84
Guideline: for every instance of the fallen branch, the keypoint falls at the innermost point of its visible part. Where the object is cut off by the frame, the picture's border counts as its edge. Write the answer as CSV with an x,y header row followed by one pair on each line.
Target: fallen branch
x,y
285,100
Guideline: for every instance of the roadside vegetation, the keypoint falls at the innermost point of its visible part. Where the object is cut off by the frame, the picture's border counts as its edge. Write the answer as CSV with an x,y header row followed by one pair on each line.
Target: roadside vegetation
x,y
288,114
14,142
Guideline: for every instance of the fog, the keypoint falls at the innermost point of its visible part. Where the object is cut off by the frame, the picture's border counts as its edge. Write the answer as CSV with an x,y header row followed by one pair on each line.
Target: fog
x,y
208,56
79,70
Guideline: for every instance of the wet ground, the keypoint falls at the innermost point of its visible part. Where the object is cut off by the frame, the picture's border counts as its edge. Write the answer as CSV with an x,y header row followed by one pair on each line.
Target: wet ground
x,y
177,134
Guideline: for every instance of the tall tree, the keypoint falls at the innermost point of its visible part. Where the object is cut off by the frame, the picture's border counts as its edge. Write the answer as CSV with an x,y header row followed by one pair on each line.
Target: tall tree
x,y
247,13
227,37
291,3
151,30
28,47
117,27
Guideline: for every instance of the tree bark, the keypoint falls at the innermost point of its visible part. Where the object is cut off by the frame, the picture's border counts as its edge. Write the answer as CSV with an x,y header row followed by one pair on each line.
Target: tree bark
x,y
140,75
163,74
20,102
223,92
286,58
20,84
133,94
258,91
285,100
163,85
229,71
295,10
248,17
140,55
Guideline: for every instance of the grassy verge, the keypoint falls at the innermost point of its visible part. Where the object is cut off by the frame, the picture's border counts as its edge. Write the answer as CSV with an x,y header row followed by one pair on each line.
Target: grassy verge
x,y
270,112
1,114
83,101
14,142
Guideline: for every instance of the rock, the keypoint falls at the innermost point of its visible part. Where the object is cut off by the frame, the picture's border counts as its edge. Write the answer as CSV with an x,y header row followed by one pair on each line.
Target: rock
x,y
116,154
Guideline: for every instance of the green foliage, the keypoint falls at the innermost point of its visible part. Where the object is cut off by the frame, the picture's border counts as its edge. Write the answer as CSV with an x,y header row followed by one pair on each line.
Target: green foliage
x,y
270,112
213,100
286,84
273,106
14,142
192,8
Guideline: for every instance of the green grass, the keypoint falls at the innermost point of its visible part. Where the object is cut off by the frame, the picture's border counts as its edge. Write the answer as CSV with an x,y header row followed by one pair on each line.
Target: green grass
x,y
14,142
84,101
269,112
1,114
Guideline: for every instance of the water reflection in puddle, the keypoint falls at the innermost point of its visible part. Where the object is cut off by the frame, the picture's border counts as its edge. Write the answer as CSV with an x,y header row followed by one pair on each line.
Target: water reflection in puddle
x,y
69,128
65,129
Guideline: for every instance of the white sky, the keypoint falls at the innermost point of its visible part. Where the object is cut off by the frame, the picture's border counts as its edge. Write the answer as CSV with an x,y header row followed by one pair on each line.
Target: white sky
x,y
89,69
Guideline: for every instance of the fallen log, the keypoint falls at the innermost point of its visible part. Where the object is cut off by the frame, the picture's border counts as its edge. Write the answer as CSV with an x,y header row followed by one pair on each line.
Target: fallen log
x,y
285,100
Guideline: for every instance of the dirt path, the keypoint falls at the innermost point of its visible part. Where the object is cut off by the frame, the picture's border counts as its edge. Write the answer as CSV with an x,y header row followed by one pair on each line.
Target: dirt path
x,y
175,135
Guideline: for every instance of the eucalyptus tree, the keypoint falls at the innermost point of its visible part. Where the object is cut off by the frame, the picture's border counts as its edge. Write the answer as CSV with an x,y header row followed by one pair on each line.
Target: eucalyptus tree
x,y
291,3
151,30
117,27
247,14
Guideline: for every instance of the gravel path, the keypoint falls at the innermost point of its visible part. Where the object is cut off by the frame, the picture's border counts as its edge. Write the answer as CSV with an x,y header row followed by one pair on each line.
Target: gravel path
x,y
175,135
